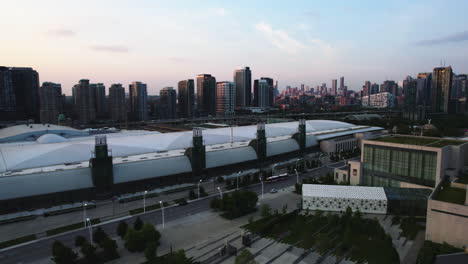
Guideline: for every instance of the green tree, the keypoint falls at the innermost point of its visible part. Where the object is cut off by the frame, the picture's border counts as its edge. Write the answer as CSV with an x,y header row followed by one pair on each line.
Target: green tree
x,y
284,210
203,192
138,224
110,249
134,241
122,229
89,252
79,241
99,235
150,251
265,211
150,234
192,195
62,254
245,257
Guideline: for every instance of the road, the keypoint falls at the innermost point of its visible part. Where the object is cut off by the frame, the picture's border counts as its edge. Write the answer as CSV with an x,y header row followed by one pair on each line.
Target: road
x,y
38,250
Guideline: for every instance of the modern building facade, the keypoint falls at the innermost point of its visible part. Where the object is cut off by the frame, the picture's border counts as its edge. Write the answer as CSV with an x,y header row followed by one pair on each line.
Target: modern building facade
x,y
243,86
409,161
51,104
225,98
117,105
186,98
85,102
271,92
334,87
138,101
379,100
167,103
441,89
206,94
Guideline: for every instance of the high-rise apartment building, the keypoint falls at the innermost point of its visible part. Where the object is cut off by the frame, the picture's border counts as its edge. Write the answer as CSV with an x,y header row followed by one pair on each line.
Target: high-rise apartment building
x,y
243,86
334,87
167,103
100,91
86,102
271,89
51,104
138,101
7,95
206,94
441,89
225,98
186,98
263,93
342,83
117,106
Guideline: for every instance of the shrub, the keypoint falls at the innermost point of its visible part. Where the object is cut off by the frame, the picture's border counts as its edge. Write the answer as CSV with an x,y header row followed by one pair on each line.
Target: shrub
x,y
150,251
138,224
245,257
99,235
110,249
265,211
122,229
134,241
89,252
62,254
79,241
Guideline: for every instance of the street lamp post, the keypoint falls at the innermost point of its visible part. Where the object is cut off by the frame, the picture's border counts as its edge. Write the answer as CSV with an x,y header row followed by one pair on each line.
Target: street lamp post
x,y
199,188
90,228
237,178
144,201
84,213
162,206
297,176
261,181
220,193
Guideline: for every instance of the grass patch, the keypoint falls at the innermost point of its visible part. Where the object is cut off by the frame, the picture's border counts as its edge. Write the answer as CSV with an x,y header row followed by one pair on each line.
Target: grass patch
x,y
419,141
18,219
17,241
66,228
451,195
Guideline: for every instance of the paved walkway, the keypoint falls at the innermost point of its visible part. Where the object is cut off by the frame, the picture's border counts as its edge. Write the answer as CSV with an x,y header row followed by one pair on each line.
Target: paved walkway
x,y
412,255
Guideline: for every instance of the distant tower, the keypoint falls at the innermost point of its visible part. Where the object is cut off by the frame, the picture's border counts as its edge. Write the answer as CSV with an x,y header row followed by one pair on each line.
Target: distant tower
x,y
167,103
197,152
101,168
85,100
300,136
186,98
50,95
206,94
243,86
117,106
138,101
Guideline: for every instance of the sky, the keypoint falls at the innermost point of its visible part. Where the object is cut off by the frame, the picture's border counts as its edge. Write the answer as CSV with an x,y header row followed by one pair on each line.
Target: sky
x,y
294,42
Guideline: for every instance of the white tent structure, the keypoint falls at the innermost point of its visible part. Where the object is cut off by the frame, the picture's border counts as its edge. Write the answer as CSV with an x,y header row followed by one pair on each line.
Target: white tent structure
x,y
340,197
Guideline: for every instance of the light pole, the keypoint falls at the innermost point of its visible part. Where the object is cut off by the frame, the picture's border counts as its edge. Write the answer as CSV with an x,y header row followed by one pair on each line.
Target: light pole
x,y
90,228
84,213
220,193
144,201
261,181
237,178
297,176
162,206
199,188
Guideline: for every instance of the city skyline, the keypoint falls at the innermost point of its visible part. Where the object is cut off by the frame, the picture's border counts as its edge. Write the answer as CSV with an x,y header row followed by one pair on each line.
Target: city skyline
x,y
87,40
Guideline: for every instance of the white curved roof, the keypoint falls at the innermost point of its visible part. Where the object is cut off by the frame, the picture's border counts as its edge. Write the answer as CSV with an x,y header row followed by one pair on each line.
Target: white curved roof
x,y
50,138
34,131
20,156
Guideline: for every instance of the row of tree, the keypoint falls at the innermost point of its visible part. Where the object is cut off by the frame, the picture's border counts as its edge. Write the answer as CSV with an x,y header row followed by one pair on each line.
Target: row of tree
x,y
236,204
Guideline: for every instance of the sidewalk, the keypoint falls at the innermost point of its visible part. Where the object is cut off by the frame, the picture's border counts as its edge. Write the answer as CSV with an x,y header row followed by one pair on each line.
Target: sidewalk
x,y
194,231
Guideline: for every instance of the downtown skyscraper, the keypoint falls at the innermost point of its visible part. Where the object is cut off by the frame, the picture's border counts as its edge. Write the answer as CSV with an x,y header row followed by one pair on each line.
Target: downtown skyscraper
x,y
51,103
243,87
206,94
85,102
117,106
138,101
167,103
186,98
225,98
441,89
